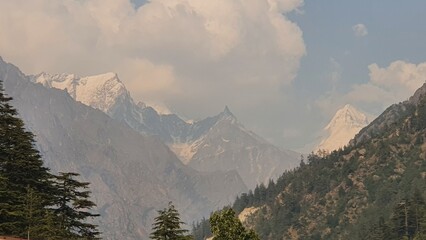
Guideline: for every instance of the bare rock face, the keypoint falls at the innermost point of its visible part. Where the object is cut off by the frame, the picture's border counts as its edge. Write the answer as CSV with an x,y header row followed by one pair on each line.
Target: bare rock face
x,y
228,145
390,116
131,175
418,95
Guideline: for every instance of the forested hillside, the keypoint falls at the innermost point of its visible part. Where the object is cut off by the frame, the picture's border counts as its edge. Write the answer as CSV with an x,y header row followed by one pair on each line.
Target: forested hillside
x,y
373,189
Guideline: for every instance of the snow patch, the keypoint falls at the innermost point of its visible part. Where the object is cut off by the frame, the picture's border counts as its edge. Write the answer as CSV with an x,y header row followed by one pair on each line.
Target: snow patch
x,y
185,151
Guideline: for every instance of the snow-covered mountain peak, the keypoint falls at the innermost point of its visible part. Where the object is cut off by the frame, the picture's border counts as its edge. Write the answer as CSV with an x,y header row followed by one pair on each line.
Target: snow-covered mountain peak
x,y
348,116
101,91
345,124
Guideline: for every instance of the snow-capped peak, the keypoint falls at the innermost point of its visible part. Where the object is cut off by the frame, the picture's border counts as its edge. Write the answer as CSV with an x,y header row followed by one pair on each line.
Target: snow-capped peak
x,y
345,124
348,116
100,91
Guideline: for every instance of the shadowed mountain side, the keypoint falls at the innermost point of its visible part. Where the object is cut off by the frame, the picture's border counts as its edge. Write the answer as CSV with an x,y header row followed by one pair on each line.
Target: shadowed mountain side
x,y
131,175
228,145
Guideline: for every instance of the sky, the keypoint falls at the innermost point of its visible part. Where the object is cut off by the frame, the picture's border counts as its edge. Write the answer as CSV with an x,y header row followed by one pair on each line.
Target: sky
x,y
283,67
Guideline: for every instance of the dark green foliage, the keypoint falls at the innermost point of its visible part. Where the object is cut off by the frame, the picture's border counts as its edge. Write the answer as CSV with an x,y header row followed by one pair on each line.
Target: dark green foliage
x,y
24,179
201,230
72,203
409,216
404,224
408,221
167,225
28,191
359,192
225,225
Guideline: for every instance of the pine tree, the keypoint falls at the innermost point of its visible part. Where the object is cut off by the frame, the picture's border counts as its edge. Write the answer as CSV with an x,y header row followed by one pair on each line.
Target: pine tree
x,y
421,216
21,169
167,225
72,204
34,214
402,219
28,191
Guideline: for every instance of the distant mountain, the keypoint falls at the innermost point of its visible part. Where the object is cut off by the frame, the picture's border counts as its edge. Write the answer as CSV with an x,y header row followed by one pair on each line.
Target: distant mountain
x,y
131,175
345,124
107,93
104,92
215,143
229,145
373,189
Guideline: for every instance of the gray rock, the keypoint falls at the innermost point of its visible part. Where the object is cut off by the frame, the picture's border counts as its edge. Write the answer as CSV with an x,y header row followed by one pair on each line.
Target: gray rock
x,y
131,175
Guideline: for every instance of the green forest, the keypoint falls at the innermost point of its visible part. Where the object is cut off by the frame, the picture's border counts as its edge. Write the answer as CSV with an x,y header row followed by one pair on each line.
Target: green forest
x,y
373,189
34,202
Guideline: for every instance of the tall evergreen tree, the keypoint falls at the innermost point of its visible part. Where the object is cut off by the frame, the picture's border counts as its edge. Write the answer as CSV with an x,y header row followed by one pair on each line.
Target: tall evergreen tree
x,y
167,225
21,169
28,191
404,219
72,208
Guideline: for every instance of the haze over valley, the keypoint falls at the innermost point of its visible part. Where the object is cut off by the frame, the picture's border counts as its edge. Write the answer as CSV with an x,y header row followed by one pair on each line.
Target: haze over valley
x,y
278,119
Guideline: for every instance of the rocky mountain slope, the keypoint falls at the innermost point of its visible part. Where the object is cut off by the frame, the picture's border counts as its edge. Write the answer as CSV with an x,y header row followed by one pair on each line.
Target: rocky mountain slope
x,y
215,143
131,175
345,124
372,189
229,145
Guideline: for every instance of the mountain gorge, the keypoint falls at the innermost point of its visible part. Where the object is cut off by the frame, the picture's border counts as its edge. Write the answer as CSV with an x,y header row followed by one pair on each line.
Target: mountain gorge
x,y
218,143
131,174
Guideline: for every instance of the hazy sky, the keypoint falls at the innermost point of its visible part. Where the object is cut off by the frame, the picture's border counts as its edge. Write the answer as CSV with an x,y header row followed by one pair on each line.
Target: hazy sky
x,y
282,66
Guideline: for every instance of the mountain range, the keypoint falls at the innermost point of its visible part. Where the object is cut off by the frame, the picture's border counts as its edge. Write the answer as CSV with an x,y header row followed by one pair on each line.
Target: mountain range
x,y
131,175
216,143
374,188
135,158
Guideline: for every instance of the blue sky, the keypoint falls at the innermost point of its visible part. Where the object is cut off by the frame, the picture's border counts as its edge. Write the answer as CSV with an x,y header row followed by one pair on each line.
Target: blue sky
x,y
282,66
396,31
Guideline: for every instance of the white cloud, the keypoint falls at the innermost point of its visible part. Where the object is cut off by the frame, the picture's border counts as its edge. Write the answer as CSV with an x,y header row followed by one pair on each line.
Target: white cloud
x,y
392,84
360,30
399,76
181,52
387,85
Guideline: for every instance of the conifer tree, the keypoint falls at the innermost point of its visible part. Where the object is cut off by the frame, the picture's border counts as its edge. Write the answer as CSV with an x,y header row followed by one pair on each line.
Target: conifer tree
x,y
28,191
167,225
21,169
34,214
409,217
72,208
